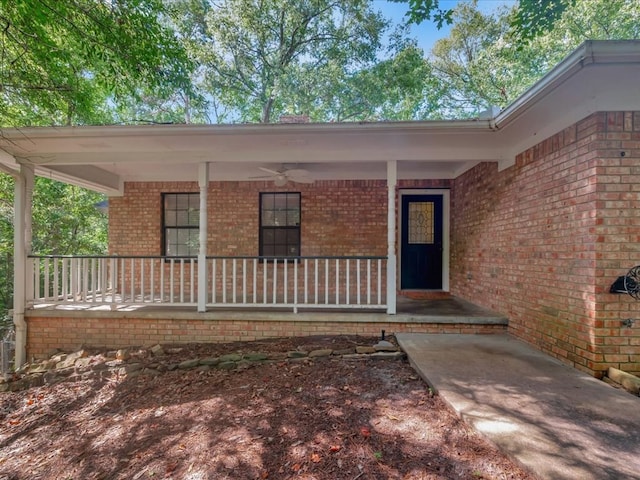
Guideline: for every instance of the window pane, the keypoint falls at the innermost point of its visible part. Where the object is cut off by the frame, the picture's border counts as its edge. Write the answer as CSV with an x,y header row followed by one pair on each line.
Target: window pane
x,y
293,236
170,218
193,217
268,236
421,223
280,250
182,201
280,201
293,218
280,218
294,251
268,251
280,236
267,201
182,217
268,218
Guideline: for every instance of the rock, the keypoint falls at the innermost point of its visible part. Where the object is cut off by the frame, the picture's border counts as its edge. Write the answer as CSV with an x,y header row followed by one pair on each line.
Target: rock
x,y
203,368
255,357
82,362
171,367
384,346
356,356
43,367
344,351
231,357
174,350
157,350
297,354
320,353
130,368
189,364
363,349
210,361
123,354
58,357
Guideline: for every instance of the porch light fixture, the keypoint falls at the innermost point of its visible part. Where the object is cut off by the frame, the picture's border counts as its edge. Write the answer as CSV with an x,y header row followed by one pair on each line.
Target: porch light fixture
x,y
629,283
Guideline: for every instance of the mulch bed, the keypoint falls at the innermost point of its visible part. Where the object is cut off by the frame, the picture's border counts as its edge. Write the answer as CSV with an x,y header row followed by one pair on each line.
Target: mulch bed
x,y
327,418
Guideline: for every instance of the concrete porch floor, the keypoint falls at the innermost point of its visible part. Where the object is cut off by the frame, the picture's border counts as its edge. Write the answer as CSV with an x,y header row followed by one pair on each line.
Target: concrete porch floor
x,y
554,420
447,310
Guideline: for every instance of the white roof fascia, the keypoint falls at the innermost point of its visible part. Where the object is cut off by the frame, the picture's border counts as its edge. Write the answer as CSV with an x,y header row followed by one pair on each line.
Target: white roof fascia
x,y
590,52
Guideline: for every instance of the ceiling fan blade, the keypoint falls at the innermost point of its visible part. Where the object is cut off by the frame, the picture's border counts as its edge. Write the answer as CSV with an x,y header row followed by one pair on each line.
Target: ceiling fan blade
x,y
268,170
296,172
301,179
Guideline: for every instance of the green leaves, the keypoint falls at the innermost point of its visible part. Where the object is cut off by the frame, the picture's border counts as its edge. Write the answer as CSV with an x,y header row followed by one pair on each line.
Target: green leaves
x,y
421,10
61,61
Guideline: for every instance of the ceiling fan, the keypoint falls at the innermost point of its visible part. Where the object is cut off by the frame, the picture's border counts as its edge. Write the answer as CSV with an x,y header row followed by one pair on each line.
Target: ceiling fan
x,y
284,175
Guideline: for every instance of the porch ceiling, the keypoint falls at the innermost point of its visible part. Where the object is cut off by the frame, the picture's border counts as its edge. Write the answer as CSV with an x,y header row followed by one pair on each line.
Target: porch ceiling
x,y
597,76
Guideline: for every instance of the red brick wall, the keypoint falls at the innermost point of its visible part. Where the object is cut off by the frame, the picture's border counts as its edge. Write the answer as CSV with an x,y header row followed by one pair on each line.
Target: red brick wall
x,y
543,240
48,334
346,217
338,217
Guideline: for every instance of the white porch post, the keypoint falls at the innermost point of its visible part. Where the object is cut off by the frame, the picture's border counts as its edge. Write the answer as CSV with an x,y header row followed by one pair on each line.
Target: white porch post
x,y
203,183
22,206
392,180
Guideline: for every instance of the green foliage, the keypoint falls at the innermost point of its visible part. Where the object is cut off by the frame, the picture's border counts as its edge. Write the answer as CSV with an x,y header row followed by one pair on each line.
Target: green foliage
x,y
537,17
421,10
482,62
65,61
65,222
257,52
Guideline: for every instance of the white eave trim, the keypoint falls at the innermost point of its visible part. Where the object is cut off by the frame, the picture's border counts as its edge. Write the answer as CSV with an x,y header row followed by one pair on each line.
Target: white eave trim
x,y
589,53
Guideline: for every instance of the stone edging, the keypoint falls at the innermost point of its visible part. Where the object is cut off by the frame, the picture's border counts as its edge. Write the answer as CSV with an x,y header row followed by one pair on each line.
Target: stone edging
x,y
82,365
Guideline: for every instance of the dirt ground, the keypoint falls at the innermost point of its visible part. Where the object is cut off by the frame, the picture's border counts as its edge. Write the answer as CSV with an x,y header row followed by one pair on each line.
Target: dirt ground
x,y
324,419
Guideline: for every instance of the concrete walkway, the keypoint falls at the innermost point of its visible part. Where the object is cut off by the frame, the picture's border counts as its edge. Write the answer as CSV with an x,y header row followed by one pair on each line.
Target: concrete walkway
x,y
555,421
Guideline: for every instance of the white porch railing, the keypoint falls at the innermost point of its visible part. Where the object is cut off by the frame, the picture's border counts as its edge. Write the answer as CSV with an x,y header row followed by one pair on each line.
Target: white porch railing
x,y
301,282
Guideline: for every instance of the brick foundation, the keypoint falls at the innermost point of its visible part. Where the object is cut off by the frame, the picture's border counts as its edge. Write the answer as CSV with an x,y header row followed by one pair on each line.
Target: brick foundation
x,y
46,335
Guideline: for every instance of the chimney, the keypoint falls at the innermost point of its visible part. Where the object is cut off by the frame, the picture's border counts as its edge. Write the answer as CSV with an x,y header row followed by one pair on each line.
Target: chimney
x,y
294,119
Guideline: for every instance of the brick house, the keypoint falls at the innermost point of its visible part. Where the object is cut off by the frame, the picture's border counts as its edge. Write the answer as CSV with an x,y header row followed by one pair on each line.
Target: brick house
x,y
246,231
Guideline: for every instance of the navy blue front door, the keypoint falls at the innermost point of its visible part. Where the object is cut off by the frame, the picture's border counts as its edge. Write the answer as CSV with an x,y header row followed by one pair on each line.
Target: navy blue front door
x,y
421,242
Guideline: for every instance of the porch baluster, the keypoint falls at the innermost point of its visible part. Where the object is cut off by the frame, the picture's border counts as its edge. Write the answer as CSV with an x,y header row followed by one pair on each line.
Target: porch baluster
x,y
224,280
192,298
379,281
234,266
275,280
255,280
213,280
359,285
369,282
46,278
285,285
244,281
337,281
